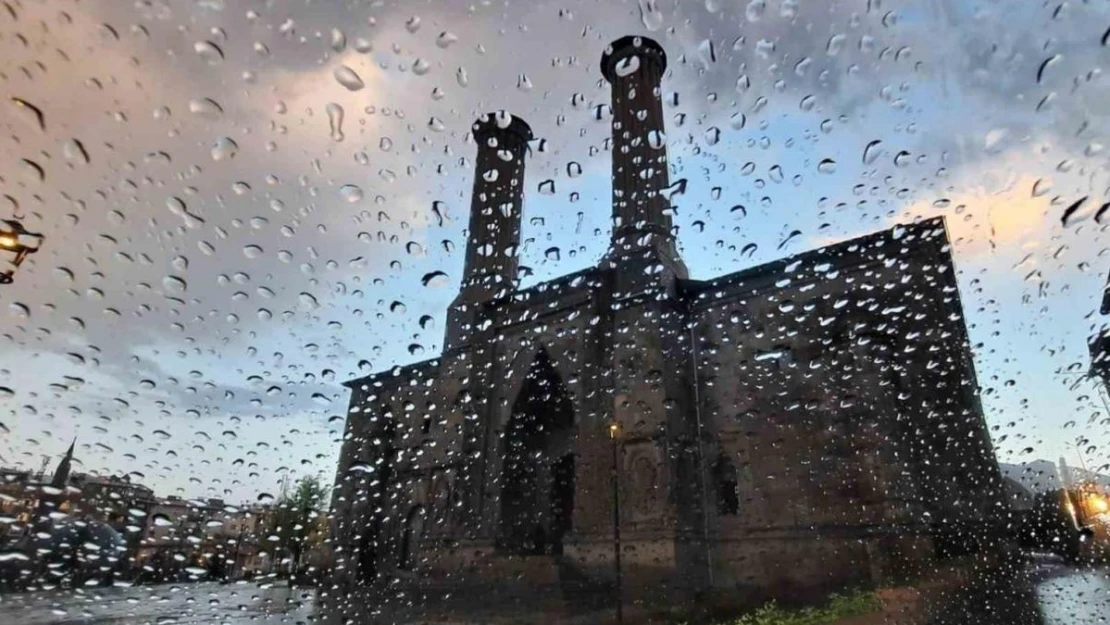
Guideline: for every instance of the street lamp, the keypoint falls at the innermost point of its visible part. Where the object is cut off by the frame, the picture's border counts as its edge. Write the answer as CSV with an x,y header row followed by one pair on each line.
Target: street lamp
x,y
15,244
614,481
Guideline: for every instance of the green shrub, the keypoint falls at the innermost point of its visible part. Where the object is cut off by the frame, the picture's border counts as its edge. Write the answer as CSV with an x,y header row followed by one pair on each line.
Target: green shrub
x,y
835,608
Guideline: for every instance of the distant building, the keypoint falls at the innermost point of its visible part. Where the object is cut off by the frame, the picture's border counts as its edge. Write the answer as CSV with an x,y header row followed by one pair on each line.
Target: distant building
x,y
790,428
1019,497
1038,476
180,533
72,529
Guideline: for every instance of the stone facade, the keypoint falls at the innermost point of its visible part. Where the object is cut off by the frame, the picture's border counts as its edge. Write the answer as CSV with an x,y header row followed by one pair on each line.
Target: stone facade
x,y
793,427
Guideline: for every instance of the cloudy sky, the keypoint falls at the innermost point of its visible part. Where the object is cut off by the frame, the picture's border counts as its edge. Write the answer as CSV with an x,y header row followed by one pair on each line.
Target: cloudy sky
x,y
240,199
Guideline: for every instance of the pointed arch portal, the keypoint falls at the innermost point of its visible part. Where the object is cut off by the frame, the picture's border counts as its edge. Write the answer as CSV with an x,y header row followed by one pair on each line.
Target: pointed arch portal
x,y
538,468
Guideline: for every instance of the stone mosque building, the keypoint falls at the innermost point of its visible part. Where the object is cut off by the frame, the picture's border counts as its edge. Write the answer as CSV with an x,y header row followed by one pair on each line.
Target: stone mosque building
x,y
790,428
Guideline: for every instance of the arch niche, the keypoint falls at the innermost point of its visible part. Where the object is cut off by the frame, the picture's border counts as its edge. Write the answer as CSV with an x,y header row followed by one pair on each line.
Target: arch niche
x,y
538,464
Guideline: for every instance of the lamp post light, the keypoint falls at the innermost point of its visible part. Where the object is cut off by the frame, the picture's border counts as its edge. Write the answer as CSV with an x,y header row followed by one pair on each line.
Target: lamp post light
x,y
15,244
614,481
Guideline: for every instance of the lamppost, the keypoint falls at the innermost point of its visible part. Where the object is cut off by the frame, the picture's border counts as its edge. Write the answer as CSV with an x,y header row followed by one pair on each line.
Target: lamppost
x,y
614,481
15,244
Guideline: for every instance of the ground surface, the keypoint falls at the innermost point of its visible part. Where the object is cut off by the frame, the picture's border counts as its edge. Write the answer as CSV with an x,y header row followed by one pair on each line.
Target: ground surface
x,y
1060,595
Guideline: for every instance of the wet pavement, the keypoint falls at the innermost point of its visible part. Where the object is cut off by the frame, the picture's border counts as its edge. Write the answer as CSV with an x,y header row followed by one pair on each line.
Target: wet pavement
x,y
170,604
1058,595
1069,596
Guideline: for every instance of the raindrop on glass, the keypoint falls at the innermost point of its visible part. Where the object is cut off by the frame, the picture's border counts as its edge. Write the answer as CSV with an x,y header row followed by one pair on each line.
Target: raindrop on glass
x,y
335,120
224,149
351,193
210,52
348,78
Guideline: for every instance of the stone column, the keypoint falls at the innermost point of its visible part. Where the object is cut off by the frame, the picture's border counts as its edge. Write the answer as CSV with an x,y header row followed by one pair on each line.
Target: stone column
x,y
496,205
634,67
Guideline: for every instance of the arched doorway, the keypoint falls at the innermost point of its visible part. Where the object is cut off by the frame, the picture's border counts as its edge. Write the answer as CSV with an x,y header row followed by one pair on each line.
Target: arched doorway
x,y
411,534
537,474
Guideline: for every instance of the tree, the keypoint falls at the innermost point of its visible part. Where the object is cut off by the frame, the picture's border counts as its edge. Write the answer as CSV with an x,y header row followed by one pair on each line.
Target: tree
x,y
295,521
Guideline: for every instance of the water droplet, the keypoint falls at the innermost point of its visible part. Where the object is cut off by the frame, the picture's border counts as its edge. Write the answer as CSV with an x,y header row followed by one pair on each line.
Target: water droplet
x,y
348,78
420,67
361,467
308,301
30,112
552,254
650,15
737,121
174,285
32,170
351,193
547,187
74,150
826,166
836,43
205,107
627,66
413,24
707,52
574,170
1044,67
755,10
901,159
426,321
872,152
712,135
435,279
445,39
338,40
177,206
674,189
1073,213
385,144
180,263
335,120
210,52
224,149
252,251
436,125
6,393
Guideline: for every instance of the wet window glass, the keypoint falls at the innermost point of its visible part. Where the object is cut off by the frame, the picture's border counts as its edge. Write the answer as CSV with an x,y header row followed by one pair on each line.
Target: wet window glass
x,y
751,312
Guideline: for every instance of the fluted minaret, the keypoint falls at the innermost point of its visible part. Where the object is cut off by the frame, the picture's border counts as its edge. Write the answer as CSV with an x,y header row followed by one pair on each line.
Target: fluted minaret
x,y
496,205
634,67
61,474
